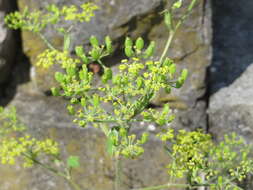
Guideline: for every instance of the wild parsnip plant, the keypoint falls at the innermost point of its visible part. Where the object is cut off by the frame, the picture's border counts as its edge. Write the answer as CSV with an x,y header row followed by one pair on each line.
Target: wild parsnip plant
x,y
121,99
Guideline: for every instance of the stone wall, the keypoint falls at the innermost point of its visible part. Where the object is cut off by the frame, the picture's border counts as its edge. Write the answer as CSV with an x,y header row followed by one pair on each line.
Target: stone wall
x,y
46,115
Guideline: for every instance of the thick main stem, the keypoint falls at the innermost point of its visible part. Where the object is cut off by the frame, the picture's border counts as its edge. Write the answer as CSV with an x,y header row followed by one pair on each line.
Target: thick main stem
x,y
117,180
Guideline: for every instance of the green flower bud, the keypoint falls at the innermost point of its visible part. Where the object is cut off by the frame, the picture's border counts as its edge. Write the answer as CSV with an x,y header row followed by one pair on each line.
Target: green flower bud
x,y
95,53
172,69
182,78
129,51
177,4
80,53
128,42
96,100
83,74
184,74
139,82
150,50
123,132
71,110
94,41
55,91
167,62
59,77
108,44
144,138
82,123
107,75
71,71
83,102
168,89
139,44
116,79
168,19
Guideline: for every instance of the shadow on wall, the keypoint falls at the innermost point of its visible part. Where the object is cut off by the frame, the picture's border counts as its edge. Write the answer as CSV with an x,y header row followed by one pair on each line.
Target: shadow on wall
x,y
232,41
20,68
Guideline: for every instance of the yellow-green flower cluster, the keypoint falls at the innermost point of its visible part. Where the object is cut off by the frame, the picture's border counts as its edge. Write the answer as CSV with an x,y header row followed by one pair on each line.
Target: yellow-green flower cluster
x,y
196,157
189,152
52,57
9,122
36,21
72,13
120,143
26,147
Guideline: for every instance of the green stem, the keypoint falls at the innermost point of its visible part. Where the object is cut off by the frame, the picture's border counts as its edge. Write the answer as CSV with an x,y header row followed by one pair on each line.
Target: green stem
x,y
164,186
73,184
167,46
117,180
172,32
169,185
49,45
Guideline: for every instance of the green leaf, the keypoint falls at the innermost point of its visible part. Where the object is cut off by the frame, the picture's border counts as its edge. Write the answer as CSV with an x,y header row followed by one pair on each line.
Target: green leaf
x,y
73,161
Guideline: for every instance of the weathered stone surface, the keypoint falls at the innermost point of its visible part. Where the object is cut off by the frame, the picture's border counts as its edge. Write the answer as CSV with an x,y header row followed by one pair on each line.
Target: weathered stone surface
x,y
46,117
7,42
232,42
231,108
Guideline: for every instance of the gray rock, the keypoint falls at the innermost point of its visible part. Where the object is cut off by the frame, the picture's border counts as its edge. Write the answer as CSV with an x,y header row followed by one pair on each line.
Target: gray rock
x,y
231,108
232,41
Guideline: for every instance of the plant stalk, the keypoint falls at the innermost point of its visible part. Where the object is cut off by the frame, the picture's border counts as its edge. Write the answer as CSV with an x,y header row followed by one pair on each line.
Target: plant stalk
x,y
169,185
117,168
48,44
